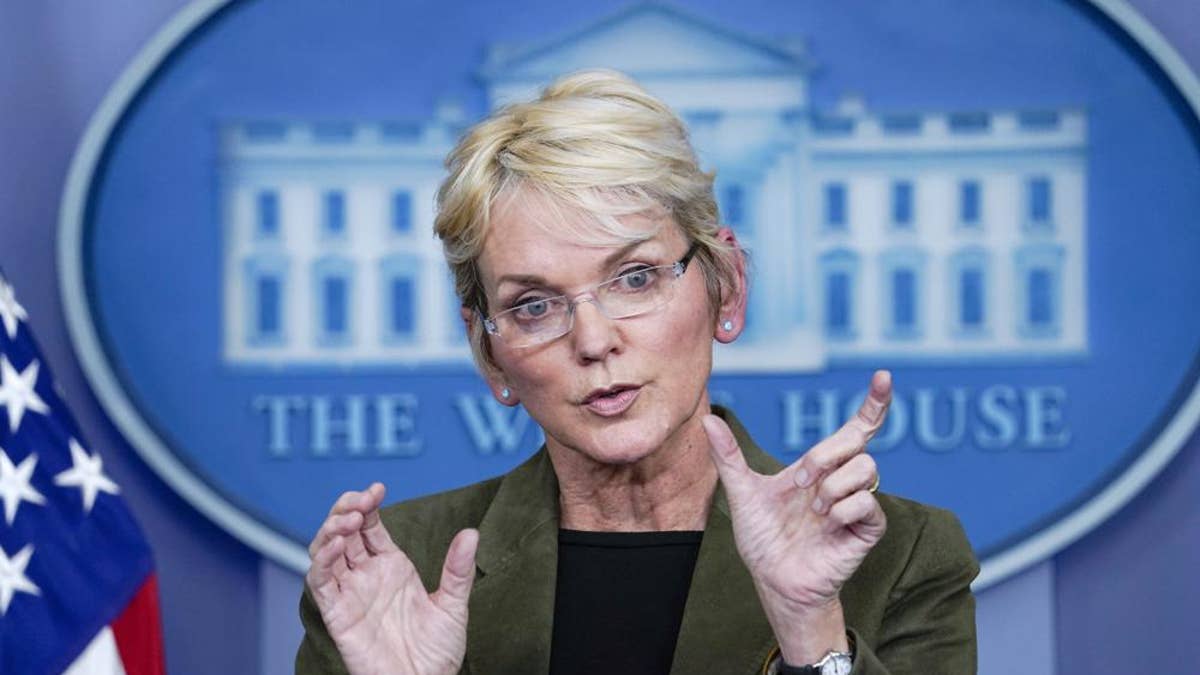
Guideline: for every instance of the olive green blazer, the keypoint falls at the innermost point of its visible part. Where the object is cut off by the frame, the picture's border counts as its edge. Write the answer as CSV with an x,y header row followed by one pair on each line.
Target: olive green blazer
x,y
909,606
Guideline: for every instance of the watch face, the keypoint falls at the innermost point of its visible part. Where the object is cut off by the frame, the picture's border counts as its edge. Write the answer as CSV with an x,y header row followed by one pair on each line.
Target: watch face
x,y
837,664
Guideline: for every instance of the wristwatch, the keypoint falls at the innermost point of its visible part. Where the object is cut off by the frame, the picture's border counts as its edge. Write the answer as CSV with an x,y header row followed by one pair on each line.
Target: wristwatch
x,y
833,663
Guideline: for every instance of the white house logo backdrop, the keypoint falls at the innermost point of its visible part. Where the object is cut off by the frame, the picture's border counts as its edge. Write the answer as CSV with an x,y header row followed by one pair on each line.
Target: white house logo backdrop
x,y
996,200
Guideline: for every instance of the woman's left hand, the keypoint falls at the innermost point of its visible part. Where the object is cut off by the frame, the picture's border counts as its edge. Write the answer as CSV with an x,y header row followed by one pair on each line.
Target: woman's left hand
x,y
803,531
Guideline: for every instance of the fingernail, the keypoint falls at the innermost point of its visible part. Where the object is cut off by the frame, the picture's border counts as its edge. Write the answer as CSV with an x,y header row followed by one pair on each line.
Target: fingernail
x,y
818,505
802,478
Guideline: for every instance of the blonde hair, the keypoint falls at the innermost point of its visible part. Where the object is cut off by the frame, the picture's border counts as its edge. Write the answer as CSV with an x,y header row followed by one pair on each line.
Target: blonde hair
x,y
594,143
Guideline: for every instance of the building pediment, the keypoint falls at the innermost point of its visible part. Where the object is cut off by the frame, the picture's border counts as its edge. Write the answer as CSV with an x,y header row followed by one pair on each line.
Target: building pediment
x,y
646,40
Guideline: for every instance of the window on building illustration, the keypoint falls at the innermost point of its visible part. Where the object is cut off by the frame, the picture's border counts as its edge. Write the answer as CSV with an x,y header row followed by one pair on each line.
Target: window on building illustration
x,y
837,303
335,298
832,125
264,131
969,122
402,212
835,206
901,271
334,213
839,272
1040,304
264,293
1039,271
268,313
733,204
1039,120
401,307
969,211
267,214
406,132
1040,201
400,302
901,125
904,301
333,293
333,132
902,204
970,298
968,277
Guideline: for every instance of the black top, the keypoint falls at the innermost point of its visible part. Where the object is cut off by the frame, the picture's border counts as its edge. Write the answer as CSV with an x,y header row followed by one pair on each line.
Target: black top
x,y
619,600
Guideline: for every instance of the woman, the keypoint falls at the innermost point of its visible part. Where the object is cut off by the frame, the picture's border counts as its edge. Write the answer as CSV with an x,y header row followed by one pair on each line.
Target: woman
x,y
649,534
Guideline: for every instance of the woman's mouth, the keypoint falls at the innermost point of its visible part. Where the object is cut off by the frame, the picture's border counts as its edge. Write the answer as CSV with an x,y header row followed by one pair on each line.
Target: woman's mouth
x,y
611,401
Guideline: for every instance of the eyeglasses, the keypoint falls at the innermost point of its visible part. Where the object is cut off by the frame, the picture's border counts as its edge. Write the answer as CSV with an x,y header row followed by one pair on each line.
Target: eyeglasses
x,y
537,320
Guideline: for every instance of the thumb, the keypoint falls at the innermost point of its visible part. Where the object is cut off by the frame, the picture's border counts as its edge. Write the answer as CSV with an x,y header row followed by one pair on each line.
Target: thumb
x,y
727,456
458,573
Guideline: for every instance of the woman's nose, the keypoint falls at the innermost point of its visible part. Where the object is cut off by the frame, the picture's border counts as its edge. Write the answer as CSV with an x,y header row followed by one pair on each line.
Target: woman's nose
x,y
595,335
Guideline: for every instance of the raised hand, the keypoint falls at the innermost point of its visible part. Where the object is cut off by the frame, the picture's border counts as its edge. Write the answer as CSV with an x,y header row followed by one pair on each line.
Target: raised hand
x,y
804,531
372,600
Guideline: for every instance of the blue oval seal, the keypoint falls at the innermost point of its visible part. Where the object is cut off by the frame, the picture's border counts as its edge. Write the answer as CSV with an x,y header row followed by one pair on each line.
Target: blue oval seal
x,y
995,200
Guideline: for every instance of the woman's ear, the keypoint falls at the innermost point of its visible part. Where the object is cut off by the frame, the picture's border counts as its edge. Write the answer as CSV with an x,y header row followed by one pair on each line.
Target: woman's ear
x,y
491,373
731,314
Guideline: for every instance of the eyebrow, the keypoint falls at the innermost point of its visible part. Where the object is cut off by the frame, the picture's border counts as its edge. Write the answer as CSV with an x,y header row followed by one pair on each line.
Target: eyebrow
x,y
609,261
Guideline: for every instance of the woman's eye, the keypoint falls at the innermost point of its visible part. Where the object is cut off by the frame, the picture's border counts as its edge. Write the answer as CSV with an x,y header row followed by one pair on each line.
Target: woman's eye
x,y
637,279
532,308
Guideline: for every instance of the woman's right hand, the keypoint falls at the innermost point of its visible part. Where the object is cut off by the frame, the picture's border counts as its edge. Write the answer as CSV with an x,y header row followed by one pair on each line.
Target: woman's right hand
x,y
373,602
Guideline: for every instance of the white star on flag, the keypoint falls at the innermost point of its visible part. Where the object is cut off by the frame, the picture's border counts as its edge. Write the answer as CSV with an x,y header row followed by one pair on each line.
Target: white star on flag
x,y
12,576
11,312
17,392
14,485
87,474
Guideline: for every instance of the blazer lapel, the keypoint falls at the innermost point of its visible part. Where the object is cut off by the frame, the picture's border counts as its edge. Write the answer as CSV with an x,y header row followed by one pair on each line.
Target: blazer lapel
x,y
512,603
724,629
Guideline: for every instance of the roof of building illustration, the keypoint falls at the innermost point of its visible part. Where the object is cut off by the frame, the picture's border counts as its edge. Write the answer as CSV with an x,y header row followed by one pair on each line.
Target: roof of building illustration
x,y
647,38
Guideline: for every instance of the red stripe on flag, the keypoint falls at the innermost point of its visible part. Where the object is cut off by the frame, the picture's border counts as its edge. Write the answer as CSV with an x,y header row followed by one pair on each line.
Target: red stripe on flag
x,y
138,632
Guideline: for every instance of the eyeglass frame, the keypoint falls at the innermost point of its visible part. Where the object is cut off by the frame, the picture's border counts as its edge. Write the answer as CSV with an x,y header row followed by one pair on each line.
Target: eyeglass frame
x,y
679,268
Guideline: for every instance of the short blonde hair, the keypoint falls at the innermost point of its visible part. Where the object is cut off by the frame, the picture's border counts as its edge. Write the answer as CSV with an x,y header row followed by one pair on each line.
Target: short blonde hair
x,y
594,143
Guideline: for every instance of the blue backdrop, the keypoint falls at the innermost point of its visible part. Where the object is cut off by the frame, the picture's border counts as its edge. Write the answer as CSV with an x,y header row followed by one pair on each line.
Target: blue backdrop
x,y
1123,590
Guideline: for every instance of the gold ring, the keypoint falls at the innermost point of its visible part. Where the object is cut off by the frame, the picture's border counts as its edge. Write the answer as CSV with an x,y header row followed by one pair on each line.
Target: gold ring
x,y
875,485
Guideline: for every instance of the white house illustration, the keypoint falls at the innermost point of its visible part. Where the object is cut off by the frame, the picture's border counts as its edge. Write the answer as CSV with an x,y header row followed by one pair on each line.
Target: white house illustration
x,y
874,236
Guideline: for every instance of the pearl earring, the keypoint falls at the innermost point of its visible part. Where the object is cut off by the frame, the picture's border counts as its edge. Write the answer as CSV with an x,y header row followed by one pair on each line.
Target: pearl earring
x,y
728,325
505,393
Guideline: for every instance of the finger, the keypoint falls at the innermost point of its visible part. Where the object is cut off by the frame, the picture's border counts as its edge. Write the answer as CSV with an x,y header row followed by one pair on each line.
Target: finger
x,y
338,525
458,573
356,550
348,502
861,513
852,437
856,474
727,456
874,407
321,577
375,535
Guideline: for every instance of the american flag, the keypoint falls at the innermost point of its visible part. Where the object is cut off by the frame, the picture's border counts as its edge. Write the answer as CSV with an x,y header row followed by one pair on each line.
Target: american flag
x,y
77,585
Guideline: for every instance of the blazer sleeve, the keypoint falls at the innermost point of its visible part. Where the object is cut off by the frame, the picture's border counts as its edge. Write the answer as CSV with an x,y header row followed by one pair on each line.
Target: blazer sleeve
x,y
318,655
928,626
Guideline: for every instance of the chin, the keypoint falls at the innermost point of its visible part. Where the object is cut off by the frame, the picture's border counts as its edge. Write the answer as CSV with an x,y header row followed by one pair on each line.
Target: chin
x,y
622,444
